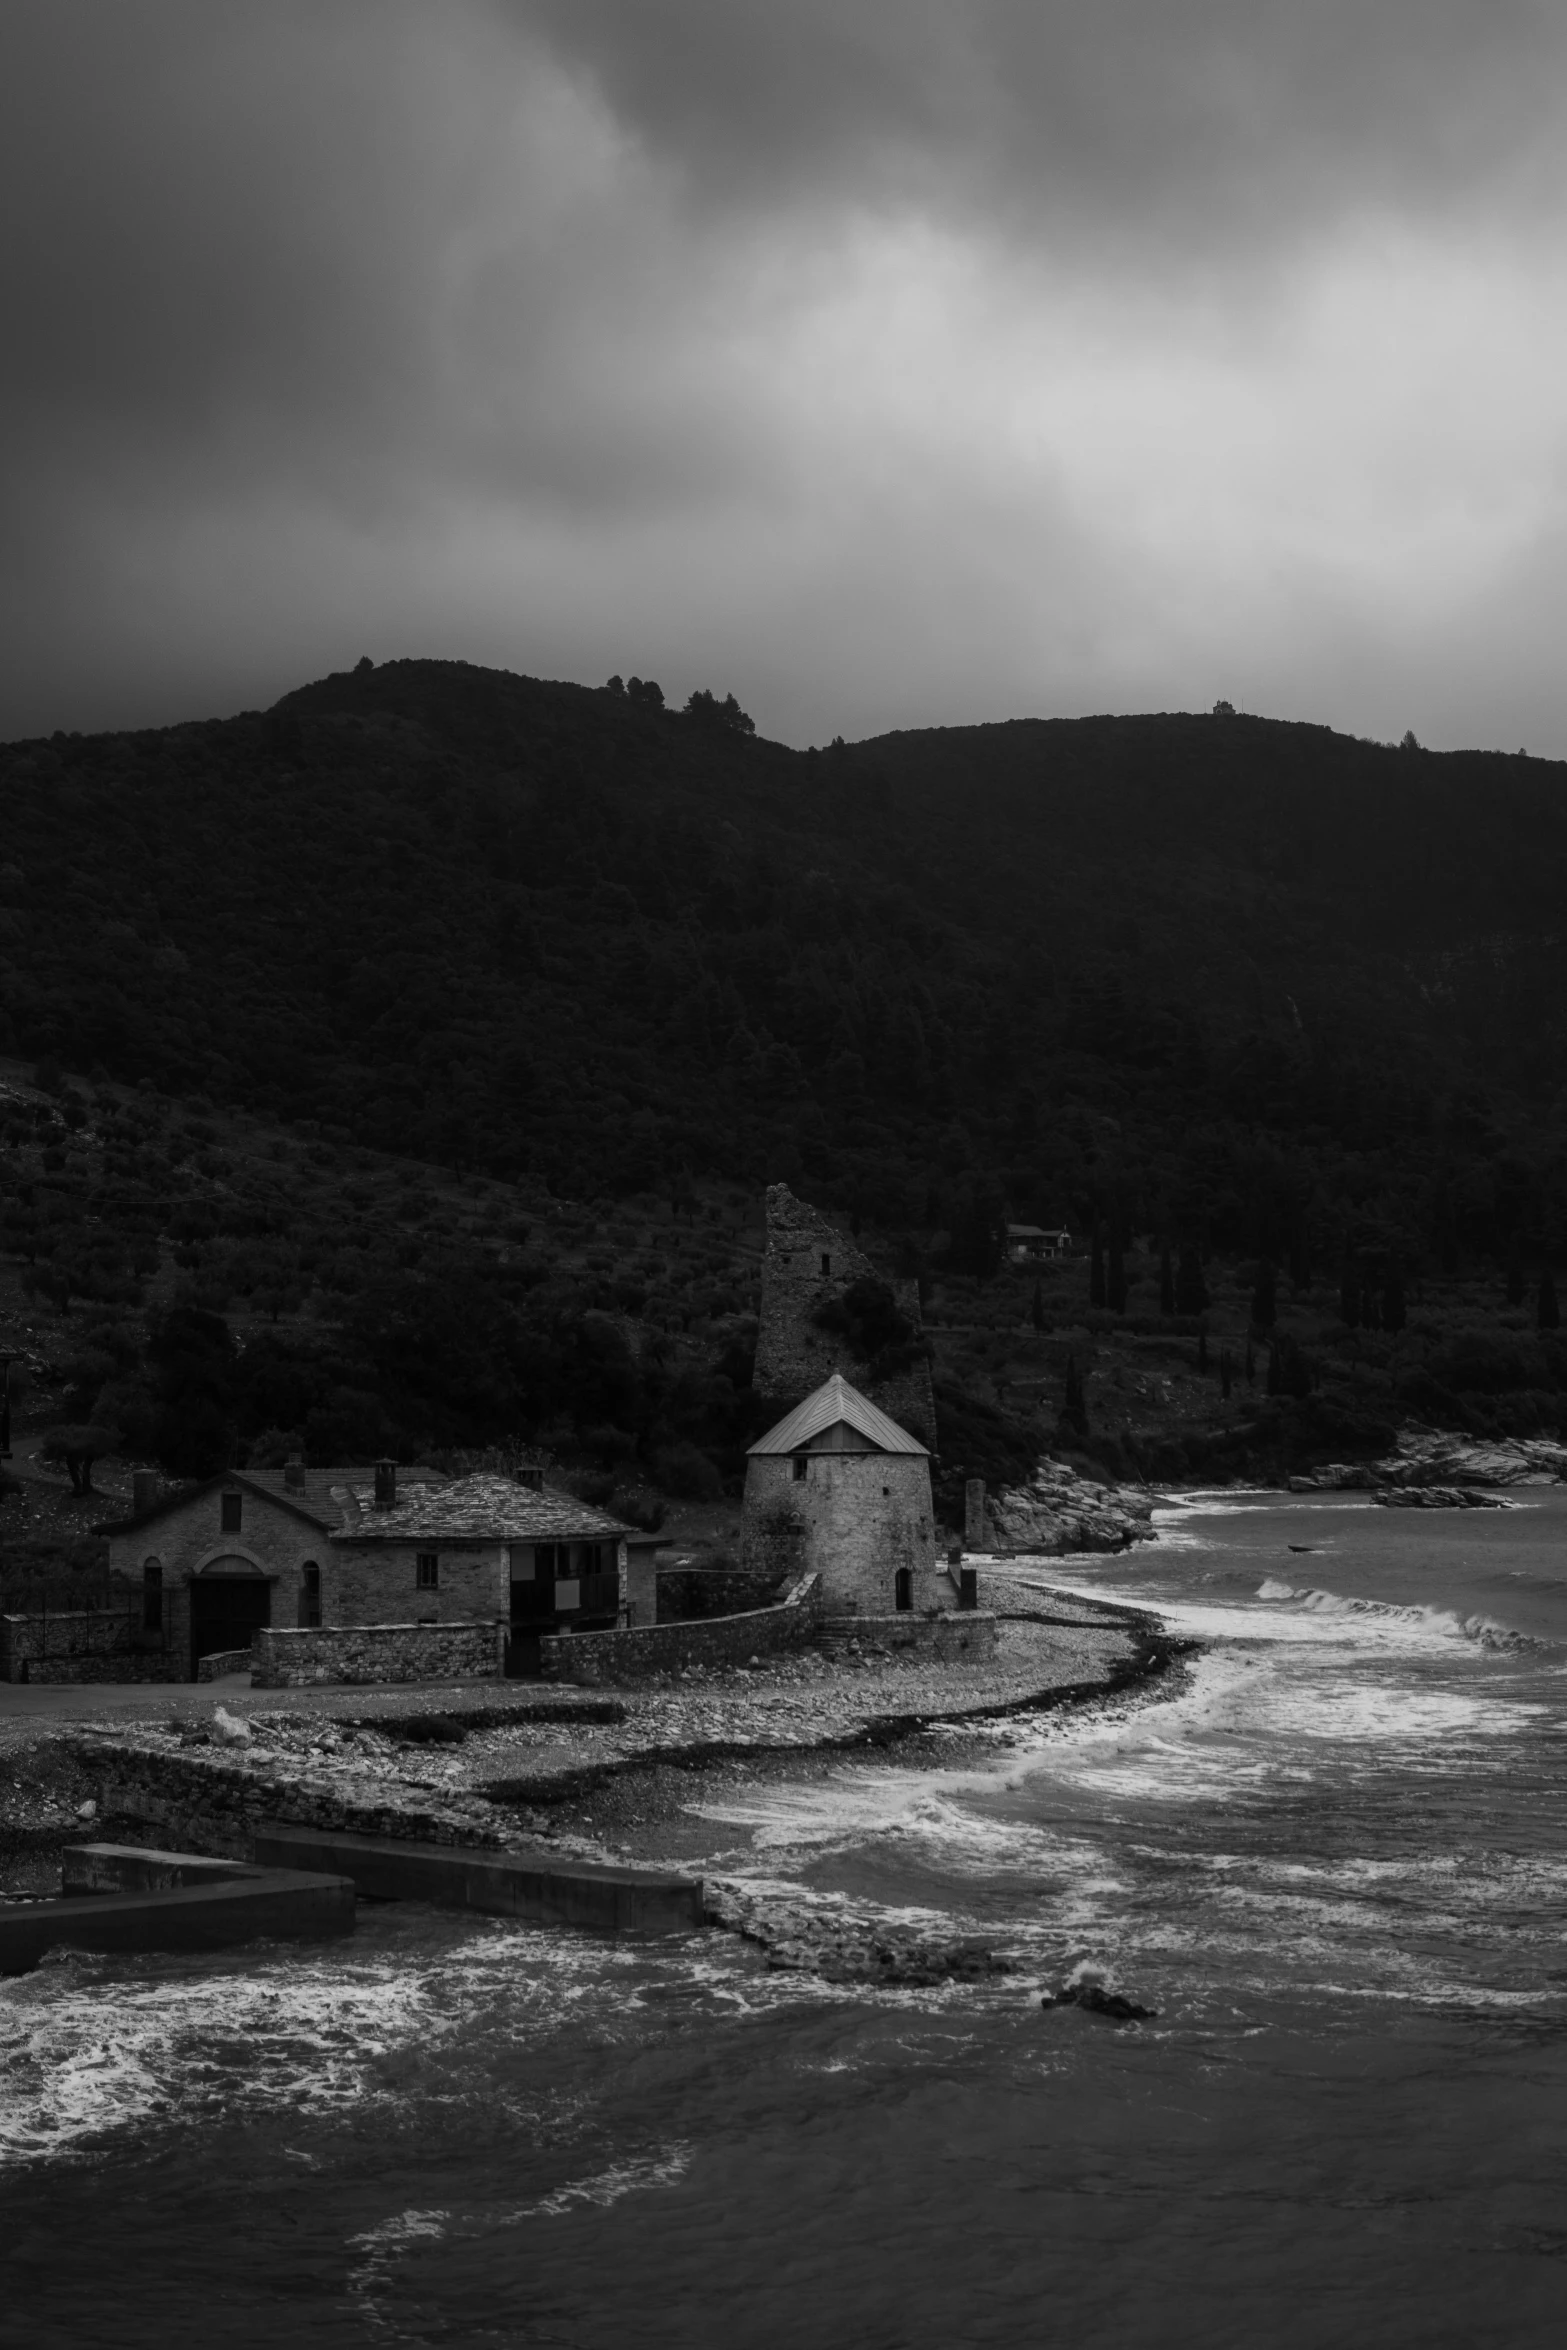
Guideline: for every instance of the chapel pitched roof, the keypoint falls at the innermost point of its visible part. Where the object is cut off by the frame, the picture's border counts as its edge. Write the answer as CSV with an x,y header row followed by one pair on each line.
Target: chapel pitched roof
x,y
480,1508
837,1404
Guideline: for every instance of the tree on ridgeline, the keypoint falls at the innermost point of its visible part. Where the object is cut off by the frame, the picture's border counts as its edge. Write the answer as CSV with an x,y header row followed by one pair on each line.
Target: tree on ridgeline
x,y
707,710
1547,1313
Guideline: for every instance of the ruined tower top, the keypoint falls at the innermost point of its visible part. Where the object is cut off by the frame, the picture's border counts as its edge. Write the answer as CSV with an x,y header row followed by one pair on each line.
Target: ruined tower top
x,y
810,1265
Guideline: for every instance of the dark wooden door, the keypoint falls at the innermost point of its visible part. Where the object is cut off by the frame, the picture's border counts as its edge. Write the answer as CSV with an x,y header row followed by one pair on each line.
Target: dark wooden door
x,y
224,1611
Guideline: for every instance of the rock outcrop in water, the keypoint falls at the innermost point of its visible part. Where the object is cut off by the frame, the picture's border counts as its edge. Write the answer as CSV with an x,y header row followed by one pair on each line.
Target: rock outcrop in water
x,y
1436,1497
849,1945
1430,1457
1059,1511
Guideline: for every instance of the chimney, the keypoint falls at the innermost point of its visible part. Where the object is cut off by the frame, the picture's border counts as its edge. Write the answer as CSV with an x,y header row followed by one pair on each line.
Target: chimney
x,y
294,1473
386,1485
531,1477
144,1491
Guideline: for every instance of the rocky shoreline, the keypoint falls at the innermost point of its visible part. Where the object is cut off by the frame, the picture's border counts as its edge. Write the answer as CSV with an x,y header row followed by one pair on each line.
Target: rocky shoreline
x,y
601,1778
1060,1511
1442,1467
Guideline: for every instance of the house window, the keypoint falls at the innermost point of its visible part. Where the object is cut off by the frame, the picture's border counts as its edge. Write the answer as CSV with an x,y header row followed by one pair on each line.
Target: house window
x,y
152,1596
799,1468
233,1504
427,1570
310,1596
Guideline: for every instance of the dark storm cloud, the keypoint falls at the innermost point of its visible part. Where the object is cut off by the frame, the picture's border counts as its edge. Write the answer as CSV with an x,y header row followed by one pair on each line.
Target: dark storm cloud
x,y
1239,120
887,362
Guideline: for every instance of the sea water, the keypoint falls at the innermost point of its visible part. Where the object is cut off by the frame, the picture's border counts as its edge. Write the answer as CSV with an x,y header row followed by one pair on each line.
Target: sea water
x,y
1330,1855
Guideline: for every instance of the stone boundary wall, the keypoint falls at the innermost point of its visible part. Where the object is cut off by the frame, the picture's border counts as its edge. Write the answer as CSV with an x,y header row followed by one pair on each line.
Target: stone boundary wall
x,y
222,1661
89,1644
689,1594
966,1639
358,1653
646,1652
213,1801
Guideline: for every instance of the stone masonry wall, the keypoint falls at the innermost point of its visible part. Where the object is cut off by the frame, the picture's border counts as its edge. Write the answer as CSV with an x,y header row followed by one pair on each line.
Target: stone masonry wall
x,y
378,1652
951,1639
377,1583
90,1644
793,1355
592,1659
854,1518
213,1801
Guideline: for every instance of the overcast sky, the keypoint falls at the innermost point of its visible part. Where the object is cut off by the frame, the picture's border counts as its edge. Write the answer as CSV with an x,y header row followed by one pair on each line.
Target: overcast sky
x,y
887,362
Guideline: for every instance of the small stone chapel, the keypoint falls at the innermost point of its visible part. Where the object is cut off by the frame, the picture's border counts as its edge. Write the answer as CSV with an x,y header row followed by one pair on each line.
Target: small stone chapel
x,y
840,1490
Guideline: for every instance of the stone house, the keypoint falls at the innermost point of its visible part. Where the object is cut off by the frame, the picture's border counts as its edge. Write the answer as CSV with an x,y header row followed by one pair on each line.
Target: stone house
x,y
840,1490
1029,1244
220,1560
485,1547
807,1268
296,1547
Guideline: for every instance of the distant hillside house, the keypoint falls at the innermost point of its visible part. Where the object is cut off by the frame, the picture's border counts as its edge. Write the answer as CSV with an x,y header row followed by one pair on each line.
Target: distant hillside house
x,y
1029,1244
377,1545
838,1489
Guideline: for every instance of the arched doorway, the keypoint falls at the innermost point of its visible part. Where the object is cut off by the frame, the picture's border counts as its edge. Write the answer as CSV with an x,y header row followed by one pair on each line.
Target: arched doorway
x,y
903,1587
229,1600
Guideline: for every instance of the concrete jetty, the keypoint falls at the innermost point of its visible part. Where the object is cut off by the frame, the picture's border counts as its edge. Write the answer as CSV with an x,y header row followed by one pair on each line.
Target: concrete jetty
x,y
537,1887
249,1906
136,1868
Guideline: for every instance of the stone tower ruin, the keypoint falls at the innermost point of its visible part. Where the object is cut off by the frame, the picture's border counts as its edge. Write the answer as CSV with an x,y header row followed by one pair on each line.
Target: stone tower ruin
x,y
809,1264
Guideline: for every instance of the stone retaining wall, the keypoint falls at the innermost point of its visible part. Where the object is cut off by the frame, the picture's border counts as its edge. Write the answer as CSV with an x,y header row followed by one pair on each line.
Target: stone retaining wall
x,y
358,1653
968,1639
649,1652
213,1800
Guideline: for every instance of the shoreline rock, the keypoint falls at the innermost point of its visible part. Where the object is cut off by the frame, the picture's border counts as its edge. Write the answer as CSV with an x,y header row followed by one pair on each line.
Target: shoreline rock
x,y
1432,1458
1059,1511
1436,1497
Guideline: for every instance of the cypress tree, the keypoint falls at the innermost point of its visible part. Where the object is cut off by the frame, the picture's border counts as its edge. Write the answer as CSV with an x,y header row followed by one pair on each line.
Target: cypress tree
x,y
1074,1408
1275,1370
1096,1268
1191,1291
1036,1311
1547,1313
1264,1298
1202,1352
1226,1372
1349,1290
1115,1280
1166,1280
1251,1364
1394,1313
1515,1271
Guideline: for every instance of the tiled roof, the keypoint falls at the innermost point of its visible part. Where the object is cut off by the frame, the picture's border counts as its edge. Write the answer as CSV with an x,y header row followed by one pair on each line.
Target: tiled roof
x,y
317,1500
481,1508
837,1404
322,1486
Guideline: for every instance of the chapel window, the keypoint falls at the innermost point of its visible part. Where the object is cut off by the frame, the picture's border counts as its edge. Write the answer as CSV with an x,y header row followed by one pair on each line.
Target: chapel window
x,y
427,1570
233,1507
310,1596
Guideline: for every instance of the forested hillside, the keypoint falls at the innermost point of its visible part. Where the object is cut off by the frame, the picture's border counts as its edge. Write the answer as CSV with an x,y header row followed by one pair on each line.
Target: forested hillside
x,y
1217,975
